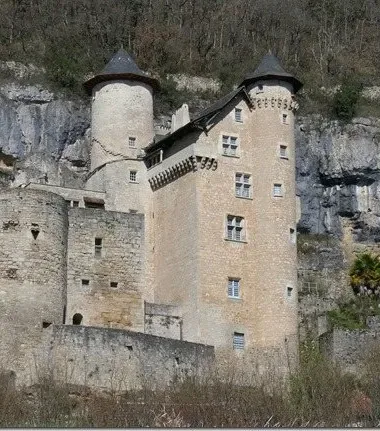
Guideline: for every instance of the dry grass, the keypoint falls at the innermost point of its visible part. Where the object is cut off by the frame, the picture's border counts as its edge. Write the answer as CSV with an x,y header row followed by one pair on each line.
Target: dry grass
x,y
319,394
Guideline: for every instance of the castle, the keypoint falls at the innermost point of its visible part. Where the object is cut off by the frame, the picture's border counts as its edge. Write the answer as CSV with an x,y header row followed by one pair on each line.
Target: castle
x,y
181,247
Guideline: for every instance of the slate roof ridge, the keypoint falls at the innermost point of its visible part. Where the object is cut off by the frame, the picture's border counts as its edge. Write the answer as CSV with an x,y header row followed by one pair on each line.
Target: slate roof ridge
x,y
271,68
121,66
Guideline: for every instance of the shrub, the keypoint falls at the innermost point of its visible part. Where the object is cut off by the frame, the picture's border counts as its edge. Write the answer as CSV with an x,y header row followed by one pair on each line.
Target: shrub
x,y
346,99
365,275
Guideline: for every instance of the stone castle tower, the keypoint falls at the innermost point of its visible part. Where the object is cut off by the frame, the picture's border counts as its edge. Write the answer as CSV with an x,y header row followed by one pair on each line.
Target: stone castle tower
x,y
188,236
121,125
225,223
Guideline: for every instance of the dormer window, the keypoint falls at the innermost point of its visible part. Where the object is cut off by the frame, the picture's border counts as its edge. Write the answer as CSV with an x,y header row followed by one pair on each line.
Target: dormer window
x,y
238,115
259,88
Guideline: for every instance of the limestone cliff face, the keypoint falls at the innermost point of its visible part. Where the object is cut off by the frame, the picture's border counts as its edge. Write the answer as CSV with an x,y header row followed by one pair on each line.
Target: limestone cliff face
x,y
42,137
338,181
338,176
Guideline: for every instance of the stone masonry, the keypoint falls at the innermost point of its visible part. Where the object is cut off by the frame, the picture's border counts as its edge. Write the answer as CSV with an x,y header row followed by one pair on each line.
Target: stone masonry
x,y
189,235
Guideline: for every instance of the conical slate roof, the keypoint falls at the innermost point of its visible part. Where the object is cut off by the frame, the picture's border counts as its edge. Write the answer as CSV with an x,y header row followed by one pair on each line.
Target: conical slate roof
x,y
121,66
270,68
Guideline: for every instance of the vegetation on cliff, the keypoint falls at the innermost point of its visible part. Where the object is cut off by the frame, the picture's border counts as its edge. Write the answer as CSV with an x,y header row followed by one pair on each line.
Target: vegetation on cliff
x,y
322,42
365,282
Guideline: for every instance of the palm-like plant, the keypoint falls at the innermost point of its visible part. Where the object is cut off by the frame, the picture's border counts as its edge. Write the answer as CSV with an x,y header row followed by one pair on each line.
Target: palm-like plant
x,y
365,274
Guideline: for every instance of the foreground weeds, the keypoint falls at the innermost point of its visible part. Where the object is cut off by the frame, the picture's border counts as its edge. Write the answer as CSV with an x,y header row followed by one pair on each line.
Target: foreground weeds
x,y
319,394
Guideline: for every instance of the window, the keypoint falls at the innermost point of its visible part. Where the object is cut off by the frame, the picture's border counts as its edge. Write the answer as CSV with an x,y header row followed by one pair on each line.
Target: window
x,y
238,115
235,228
35,230
260,88
85,282
132,142
114,284
233,288
283,152
243,185
289,291
75,204
238,341
77,319
133,176
230,145
98,247
284,118
90,202
277,189
293,235
155,159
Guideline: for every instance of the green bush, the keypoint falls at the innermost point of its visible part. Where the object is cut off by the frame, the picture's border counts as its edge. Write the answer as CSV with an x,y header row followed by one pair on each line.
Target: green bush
x,y
346,99
353,315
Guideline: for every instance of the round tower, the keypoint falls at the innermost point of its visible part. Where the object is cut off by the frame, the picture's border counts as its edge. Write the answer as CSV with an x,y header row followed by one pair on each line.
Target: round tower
x,y
272,90
121,125
33,230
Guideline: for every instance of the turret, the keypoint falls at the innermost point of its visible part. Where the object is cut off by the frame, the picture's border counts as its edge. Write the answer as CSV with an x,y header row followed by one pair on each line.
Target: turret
x,y
270,69
271,90
121,125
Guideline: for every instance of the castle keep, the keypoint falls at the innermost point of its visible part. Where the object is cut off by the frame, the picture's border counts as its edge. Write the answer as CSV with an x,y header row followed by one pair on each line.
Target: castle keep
x,y
180,245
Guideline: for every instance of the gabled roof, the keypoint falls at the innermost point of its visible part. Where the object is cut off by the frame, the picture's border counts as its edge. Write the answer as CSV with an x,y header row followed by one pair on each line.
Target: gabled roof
x,y
270,68
121,66
198,122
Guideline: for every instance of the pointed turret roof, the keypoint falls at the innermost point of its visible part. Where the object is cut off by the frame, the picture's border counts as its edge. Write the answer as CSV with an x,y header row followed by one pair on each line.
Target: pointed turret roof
x,y
270,68
121,66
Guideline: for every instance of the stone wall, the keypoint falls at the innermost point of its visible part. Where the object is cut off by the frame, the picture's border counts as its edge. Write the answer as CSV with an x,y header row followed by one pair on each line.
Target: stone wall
x,y
119,360
70,194
163,321
195,259
105,287
33,241
322,281
350,349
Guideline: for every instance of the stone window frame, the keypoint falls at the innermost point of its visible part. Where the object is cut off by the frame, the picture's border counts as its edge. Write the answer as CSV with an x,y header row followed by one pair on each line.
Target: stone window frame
x,y
235,228
133,176
241,185
238,115
238,340
278,190
98,247
293,235
230,145
284,118
132,141
290,292
283,151
234,288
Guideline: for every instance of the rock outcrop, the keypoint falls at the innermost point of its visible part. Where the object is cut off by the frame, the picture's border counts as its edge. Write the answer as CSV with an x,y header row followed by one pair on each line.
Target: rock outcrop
x,y
338,175
43,137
